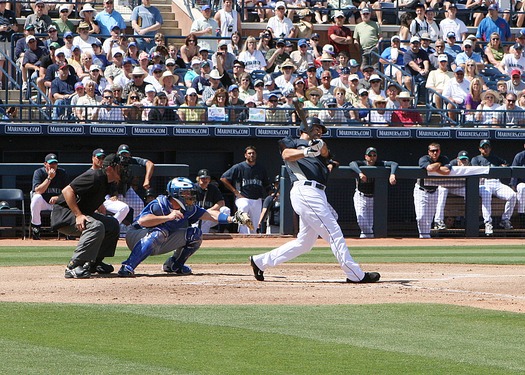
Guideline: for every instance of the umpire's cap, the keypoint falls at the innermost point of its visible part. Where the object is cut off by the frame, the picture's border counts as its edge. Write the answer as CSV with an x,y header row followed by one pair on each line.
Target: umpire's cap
x,y
123,148
463,155
484,142
203,173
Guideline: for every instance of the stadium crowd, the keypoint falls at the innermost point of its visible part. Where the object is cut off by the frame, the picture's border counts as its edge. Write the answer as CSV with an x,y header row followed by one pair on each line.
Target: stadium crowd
x,y
96,72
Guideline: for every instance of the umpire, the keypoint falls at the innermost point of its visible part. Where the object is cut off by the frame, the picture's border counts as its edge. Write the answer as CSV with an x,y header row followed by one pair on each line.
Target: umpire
x,y
74,214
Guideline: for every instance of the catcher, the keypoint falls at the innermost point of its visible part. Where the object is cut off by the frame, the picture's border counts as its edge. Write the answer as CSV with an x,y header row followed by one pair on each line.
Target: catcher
x,y
164,225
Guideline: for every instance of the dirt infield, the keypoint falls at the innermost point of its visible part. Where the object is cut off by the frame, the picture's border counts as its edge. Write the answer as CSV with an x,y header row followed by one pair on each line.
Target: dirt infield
x,y
483,286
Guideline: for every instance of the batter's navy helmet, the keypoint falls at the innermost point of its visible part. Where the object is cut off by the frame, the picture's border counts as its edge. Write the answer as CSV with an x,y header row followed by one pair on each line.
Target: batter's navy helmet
x,y
310,122
182,190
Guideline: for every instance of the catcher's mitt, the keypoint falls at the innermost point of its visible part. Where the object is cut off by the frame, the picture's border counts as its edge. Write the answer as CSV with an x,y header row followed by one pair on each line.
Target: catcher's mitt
x,y
242,218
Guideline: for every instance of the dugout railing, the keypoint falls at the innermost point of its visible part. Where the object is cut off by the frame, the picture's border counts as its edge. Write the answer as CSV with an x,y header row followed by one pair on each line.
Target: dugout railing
x,y
388,201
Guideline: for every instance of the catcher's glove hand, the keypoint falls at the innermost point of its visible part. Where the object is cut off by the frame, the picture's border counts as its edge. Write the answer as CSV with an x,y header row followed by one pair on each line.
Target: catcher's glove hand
x,y
242,218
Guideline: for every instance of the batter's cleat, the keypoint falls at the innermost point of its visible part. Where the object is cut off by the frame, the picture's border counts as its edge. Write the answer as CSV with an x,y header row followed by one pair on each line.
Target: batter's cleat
x,y
78,272
440,225
370,277
101,268
506,224
126,271
257,273
488,229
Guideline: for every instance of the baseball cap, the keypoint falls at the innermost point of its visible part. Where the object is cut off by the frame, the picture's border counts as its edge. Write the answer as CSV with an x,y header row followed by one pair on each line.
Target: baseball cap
x,y
258,82
78,85
51,158
280,41
415,39
493,7
117,51
232,87
442,57
395,37
338,14
521,33
223,42
127,60
190,91
311,68
374,77
280,4
99,152
484,142
68,34
467,42
362,91
94,67
453,5
123,148
96,43
205,7
517,46
272,94
64,65
365,11
110,160
75,47
170,62
329,48
330,102
196,61
205,63
353,76
203,173
418,5
425,36
54,45
29,38
115,27
451,34
463,155
315,36
515,72
150,88
52,27
353,63
369,150
157,67
302,42
29,26
345,70
458,69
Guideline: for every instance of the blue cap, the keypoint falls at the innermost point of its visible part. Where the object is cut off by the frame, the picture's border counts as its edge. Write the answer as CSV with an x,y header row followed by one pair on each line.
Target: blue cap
x,y
458,69
302,42
68,33
330,101
451,34
127,60
205,7
157,67
345,70
232,87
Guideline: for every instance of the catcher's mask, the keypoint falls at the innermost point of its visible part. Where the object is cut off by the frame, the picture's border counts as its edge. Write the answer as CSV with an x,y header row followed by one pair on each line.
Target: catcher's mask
x,y
182,190
113,160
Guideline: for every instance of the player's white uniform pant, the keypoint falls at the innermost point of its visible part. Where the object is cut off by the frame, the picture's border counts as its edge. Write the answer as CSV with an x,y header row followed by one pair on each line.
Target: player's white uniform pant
x,y
425,204
364,210
520,195
118,208
205,225
38,204
253,208
442,193
502,191
315,219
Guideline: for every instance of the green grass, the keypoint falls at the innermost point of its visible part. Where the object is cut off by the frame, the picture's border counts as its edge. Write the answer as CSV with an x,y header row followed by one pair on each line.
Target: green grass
x,y
372,339
18,256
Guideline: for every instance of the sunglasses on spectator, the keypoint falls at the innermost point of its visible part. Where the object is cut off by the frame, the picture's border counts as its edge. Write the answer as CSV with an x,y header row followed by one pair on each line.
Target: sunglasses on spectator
x,y
134,97
314,95
273,100
108,97
511,100
434,150
495,38
373,155
193,95
325,77
364,94
467,46
405,100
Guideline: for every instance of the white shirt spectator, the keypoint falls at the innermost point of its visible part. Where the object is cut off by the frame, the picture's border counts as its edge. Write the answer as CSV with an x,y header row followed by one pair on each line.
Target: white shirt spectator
x,y
456,26
511,62
281,28
457,91
255,61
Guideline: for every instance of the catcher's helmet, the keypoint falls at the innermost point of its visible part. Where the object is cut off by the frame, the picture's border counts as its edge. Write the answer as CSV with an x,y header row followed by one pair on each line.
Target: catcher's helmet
x,y
310,122
182,190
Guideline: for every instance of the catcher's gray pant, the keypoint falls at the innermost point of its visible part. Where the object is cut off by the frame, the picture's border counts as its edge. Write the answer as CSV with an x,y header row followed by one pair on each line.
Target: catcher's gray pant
x,y
38,204
520,195
364,210
425,204
502,191
175,242
253,208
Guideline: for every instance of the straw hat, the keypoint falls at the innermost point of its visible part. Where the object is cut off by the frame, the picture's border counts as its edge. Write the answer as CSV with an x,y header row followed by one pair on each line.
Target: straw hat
x,y
167,73
405,95
138,71
380,99
490,92
326,57
314,90
288,62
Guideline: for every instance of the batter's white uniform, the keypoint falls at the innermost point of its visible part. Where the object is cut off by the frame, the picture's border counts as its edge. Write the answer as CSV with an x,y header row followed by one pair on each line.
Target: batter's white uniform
x,y
309,201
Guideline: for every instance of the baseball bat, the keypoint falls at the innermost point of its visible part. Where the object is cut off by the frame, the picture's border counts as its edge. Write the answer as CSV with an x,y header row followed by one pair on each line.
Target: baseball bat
x,y
299,110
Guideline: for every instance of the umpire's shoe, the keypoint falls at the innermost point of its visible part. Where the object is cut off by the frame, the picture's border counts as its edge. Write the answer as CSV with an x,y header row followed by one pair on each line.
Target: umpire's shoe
x,y
370,277
76,270
257,272
101,268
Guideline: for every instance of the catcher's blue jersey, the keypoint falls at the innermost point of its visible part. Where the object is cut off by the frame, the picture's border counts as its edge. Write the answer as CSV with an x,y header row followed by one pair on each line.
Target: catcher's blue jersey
x,y
161,206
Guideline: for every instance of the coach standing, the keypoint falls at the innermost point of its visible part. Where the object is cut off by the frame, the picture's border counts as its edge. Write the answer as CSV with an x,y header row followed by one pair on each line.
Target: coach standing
x,y
249,183
74,214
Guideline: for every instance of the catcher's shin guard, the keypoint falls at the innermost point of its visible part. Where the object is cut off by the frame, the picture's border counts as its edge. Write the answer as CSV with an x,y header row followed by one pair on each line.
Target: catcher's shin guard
x,y
144,248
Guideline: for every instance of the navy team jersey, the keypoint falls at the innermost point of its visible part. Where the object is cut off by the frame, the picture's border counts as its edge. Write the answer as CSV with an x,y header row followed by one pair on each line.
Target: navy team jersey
x,y
251,181
56,185
489,161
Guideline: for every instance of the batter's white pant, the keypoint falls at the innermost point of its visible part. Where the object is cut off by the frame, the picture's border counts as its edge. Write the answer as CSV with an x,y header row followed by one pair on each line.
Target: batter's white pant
x,y
119,209
520,195
38,204
425,204
315,219
253,208
205,225
442,200
502,191
364,210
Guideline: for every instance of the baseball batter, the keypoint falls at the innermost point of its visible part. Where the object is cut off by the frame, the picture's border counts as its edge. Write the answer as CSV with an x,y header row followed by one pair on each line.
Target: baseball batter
x,y
308,162
249,183
164,225
364,192
425,196
494,186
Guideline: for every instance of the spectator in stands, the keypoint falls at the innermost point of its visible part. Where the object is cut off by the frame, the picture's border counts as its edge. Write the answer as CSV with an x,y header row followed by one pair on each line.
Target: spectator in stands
x,y
109,17
379,116
147,102
417,65
440,50
45,62
340,36
175,96
286,79
311,78
228,19
330,116
364,82
236,44
99,57
84,40
302,58
86,63
38,19
194,72
438,78
95,74
245,90
394,55
326,65
363,105
112,43
112,71
509,114
513,60
203,80
274,115
471,73
375,87
156,61
52,31
47,184
515,84
31,60
492,24
279,25
208,93
266,42
145,21
87,14
494,50
236,113
342,60
326,86
63,89
406,116
484,111
223,60
473,99
63,23
469,54
299,88
91,102
252,58
137,84
206,26
425,44
8,26
367,36
162,113
419,25
456,90
314,46
76,57
189,50
451,48
191,115
21,44
392,91
453,25
108,110
155,74
68,44
80,91
352,93
125,76
433,28
276,56
313,104
117,90
340,97
342,80
304,28
404,27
